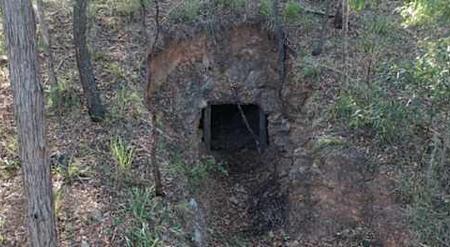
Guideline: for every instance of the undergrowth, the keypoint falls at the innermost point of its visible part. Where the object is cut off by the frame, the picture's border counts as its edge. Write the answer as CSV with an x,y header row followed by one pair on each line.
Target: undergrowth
x,y
2,44
374,111
127,103
2,238
123,155
292,11
196,174
152,219
231,4
9,160
62,97
404,108
71,170
428,195
120,7
187,11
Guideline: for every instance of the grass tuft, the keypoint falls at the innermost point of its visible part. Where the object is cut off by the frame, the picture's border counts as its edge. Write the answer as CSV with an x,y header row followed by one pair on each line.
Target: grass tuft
x,y
62,96
197,173
292,11
122,153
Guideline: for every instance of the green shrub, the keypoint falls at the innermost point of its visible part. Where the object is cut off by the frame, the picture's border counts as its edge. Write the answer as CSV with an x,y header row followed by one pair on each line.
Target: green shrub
x,y
142,236
114,69
379,25
311,72
423,12
231,4
2,44
431,76
142,207
197,173
139,202
9,162
2,38
188,11
8,167
58,197
127,103
373,109
2,237
429,205
328,142
72,171
62,96
150,219
430,224
292,11
357,5
122,7
123,155
345,106
265,8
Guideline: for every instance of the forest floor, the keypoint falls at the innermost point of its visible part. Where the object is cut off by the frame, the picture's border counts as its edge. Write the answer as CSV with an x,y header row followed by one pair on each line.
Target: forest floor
x,y
95,205
90,201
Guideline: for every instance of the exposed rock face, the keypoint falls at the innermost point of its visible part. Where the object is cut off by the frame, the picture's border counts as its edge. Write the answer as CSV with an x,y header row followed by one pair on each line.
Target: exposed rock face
x,y
238,68
286,186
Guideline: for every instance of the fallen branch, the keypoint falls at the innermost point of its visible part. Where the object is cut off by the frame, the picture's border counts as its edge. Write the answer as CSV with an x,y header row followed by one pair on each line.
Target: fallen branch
x,y
308,9
249,128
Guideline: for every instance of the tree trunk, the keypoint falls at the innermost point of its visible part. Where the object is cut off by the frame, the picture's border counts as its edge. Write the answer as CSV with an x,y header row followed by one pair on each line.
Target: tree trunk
x,y
94,104
320,42
281,43
143,21
46,42
159,191
154,161
20,30
338,17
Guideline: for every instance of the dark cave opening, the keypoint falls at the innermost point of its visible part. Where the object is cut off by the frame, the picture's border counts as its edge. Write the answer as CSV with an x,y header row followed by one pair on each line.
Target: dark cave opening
x,y
233,127
237,135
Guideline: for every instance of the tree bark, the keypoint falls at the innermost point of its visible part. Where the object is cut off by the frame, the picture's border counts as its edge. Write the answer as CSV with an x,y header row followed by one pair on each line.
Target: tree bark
x,y
154,161
47,44
319,44
20,30
86,72
338,17
281,43
159,190
143,21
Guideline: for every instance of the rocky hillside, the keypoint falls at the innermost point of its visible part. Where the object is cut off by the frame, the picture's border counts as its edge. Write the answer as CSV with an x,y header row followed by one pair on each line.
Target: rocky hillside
x,y
354,156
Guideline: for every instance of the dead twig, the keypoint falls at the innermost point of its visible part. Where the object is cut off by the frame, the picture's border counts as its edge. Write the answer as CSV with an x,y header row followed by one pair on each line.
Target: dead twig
x,y
249,128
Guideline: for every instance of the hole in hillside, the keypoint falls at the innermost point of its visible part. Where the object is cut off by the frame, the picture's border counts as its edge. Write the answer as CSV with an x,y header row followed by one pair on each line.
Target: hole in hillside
x,y
233,127
250,199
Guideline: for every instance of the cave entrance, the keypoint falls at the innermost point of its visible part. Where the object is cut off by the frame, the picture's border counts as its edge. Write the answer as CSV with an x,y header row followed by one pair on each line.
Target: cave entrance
x,y
234,127
236,134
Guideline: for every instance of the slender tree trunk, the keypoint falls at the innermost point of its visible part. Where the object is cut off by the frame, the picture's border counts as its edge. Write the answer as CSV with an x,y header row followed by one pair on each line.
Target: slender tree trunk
x,y
86,72
319,44
20,30
281,44
339,16
143,21
281,41
47,44
154,161
159,191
